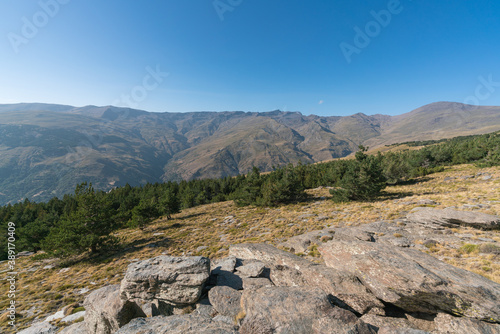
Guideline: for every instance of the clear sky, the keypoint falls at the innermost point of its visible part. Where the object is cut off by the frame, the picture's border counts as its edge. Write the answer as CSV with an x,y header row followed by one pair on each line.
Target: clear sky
x,y
324,57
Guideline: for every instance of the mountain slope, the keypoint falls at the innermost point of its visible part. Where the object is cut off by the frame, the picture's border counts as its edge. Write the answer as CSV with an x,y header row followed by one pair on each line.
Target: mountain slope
x,y
437,121
45,150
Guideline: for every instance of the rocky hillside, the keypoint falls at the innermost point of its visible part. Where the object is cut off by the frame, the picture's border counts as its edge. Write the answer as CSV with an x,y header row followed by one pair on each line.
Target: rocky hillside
x,y
424,258
45,150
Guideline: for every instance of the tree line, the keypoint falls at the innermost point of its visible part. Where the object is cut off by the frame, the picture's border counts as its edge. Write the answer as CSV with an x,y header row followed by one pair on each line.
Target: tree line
x,y
85,220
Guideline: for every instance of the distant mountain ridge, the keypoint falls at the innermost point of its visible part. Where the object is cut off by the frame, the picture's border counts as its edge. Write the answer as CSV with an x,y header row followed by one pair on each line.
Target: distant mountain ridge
x,y
46,149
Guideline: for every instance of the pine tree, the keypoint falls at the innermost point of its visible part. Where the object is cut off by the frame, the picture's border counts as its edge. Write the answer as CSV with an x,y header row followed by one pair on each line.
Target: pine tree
x,y
363,179
87,228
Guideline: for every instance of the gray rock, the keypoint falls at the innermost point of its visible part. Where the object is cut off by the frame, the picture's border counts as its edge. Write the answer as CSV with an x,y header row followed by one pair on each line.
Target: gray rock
x,y
252,269
415,281
55,316
426,202
470,206
390,330
306,216
207,311
106,312
73,317
298,310
175,280
177,324
226,264
453,218
254,283
445,323
225,300
403,323
157,307
40,328
226,278
290,270
78,328
224,318
83,291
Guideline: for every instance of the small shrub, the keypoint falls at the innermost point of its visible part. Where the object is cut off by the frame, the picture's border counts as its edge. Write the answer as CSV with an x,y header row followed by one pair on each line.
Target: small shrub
x,y
469,248
313,250
78,309
397,235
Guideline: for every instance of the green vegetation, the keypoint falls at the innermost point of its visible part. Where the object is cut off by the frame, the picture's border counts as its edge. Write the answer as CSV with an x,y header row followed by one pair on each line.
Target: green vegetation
x,y
469,248
362,179
85,220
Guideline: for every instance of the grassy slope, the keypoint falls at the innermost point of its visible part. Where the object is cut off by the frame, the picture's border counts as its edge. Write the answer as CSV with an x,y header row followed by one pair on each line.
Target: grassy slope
x,y
47,290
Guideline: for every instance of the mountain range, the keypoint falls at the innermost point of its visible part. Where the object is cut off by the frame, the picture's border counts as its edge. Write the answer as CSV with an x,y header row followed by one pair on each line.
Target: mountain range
x,y
46,149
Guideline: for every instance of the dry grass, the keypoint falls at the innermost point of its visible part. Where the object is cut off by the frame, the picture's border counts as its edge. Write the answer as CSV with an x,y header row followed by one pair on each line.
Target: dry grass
x,y
44,291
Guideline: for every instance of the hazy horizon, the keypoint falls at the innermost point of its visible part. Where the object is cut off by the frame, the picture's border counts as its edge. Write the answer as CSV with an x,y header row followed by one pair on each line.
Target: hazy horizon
x,y
322,57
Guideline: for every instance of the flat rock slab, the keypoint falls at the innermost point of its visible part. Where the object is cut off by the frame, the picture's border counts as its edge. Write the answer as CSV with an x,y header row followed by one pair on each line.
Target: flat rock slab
x,y
175,280
290,270
297,310
177,324
453,218
415,281
255,283
252,269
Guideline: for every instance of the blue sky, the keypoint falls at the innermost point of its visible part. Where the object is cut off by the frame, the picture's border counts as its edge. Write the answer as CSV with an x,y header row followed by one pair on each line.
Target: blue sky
x,y
251,55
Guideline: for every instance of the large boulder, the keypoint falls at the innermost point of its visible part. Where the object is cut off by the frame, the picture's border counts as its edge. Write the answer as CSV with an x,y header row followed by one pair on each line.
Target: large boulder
x,y
453,218
177,324
106,312
415,281
290,270
175,280
297,310
225,300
